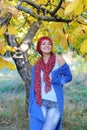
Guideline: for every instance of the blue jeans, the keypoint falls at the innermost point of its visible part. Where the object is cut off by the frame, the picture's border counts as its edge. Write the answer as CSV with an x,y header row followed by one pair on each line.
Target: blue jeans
x,y
51,114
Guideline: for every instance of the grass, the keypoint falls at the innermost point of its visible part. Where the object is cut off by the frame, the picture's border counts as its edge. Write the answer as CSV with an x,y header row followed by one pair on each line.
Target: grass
x,y
12,101
12,114
75,117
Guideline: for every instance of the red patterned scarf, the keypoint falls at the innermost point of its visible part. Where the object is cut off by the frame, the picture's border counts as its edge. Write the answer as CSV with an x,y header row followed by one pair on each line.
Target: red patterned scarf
x,y
46,68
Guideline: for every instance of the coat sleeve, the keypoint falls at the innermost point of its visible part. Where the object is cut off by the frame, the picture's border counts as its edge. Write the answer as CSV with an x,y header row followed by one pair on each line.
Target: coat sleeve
x,y
62,75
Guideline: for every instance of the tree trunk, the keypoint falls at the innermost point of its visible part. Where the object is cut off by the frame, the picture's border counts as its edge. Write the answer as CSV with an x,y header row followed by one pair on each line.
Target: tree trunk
x,y
20,58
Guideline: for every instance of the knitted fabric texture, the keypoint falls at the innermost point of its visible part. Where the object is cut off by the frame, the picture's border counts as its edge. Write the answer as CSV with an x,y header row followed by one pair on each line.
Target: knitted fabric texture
x,y
46,68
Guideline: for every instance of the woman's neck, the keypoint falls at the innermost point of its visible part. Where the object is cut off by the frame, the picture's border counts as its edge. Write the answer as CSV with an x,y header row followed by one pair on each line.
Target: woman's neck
x,y
46,57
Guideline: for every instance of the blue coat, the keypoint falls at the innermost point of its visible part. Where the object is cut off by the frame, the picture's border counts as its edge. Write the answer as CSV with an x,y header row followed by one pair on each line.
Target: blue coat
x,y
60,76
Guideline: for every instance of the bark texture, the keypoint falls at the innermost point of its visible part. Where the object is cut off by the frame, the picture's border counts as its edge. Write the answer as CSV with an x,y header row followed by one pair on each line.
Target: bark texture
x,y
20,58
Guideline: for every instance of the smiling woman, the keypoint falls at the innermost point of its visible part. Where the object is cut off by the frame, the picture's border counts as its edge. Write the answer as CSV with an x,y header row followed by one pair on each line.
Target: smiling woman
x,y
49,75
46,47
44,43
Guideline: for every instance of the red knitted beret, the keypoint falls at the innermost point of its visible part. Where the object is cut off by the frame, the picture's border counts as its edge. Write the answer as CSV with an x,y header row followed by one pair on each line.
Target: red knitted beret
x,y
41,40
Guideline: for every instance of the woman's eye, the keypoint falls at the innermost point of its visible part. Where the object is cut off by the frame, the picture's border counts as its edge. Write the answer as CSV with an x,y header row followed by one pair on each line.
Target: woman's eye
x,y
49,43
44,43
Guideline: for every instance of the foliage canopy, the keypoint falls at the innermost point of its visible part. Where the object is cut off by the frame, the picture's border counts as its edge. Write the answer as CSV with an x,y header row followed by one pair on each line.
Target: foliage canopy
x,y
65,21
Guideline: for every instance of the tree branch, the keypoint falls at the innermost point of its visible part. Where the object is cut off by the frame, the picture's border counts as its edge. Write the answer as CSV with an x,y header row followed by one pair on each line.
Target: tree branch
x,y
58,7
44,18
32,31
6,19
29,36
39,8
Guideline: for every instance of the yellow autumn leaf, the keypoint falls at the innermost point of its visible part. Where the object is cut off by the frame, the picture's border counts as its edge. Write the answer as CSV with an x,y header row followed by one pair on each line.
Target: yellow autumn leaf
x,y
85,4
32,59
12,30
54,49
5,63
40,1
85,29
60,12
78,30
2,51
71,7
10,65
14,3
83,47
2,47
71,39
64,43
2,43
2,29
63,39
78,10
9,48
57,39
2,65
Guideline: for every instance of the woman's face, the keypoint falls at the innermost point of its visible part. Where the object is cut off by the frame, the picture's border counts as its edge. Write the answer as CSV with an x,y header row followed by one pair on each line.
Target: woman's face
x,y
46,47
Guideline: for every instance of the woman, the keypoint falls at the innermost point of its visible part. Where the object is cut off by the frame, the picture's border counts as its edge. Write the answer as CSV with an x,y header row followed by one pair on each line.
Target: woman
x,y
49,75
